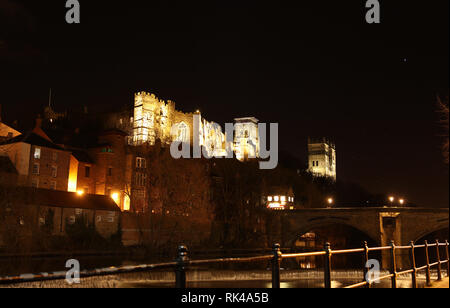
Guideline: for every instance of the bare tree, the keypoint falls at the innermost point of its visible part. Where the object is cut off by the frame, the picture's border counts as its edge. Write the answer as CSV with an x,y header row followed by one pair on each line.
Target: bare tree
x,y
443,113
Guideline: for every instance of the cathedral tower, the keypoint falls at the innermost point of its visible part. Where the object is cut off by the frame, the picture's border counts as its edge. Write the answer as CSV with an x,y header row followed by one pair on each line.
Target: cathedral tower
x,y
322,157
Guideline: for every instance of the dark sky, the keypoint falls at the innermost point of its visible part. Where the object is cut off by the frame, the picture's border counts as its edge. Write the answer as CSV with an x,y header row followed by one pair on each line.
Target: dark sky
x,y
316,69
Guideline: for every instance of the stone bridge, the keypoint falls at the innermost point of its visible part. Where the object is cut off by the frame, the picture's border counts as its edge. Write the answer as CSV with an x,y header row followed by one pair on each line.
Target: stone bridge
x,y
381,225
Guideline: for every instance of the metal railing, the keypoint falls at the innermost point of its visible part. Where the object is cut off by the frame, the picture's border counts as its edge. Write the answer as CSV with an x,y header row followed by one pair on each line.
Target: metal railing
x,y
182,264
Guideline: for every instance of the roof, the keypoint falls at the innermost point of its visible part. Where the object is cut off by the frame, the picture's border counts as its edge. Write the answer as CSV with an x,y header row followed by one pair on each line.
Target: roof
x,y
247,120
82,156
33,139
113,131
64,199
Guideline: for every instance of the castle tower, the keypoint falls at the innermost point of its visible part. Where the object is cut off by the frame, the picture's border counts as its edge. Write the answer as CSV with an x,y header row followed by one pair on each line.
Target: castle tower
x,y
322,157
246,138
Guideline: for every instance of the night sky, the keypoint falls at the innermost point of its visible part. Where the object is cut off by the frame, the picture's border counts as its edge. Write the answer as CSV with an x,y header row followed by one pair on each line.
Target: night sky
x,y
316,69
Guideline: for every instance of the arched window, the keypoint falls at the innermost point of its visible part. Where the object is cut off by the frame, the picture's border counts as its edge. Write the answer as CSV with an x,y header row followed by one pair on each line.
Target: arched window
x,y
182,133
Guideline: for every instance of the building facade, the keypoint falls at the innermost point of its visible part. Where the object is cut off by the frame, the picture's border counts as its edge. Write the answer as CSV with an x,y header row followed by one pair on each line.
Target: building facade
x,y
322,157
156,119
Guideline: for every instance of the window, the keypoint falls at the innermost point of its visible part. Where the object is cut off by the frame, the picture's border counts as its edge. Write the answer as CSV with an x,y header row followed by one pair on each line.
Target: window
x,y
37,153
86,190
317,163
54,171
107,150
270,199
109,171
140,162
55,156
35,183
71,220
277,198
87,171
108,191
182,133
36,168
53,185
141,179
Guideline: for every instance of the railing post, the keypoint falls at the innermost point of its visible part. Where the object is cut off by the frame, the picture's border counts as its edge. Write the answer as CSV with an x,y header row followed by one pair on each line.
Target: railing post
x,y
393,266
276,261
366,269
438,256
327,269
180,270
448,261
427,256
414,268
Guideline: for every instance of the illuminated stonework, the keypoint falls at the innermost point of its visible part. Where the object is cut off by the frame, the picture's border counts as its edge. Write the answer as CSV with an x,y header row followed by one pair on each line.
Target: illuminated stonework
x,y
156,119
322,157
246,141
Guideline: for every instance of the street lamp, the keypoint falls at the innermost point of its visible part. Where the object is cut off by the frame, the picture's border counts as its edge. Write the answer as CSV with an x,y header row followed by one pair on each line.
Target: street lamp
x,y
402,201
330,201
392,199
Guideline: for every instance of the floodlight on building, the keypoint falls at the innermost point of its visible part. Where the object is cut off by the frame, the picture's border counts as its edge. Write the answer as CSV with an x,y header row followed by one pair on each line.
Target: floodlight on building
x,y
115,197
80,193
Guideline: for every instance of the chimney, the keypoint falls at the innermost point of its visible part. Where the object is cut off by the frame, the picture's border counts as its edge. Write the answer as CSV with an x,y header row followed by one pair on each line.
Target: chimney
x,y
38,121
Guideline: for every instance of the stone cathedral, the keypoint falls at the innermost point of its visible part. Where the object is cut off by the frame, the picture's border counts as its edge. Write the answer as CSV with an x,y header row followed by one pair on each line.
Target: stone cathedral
x,y
322,157
157,119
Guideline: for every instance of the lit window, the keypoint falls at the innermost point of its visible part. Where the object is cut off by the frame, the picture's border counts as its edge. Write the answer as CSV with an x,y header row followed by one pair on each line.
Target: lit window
x,y
283,199
277,198
270,199
37,153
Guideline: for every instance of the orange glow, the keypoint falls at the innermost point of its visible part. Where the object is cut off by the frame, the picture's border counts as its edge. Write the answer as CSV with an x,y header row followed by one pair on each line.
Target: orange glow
x,y
330,200
392,199
126,203
73,175
402,201
115,197
80,193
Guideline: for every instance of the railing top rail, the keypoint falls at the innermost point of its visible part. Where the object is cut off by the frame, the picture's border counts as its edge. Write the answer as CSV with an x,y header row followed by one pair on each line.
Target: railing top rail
x,y
303,254
229,260
380,248
345,251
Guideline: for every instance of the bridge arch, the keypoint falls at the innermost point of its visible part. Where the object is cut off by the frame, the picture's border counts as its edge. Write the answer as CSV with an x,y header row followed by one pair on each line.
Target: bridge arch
x,y
298,231
440,232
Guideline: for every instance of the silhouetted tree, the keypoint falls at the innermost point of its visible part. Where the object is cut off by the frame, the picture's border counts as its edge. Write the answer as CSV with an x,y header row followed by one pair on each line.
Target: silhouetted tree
x,y
443,112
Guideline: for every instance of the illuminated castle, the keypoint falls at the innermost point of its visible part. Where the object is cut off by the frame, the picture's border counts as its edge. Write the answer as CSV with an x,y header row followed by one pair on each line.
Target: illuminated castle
x,y
322,157
156,119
